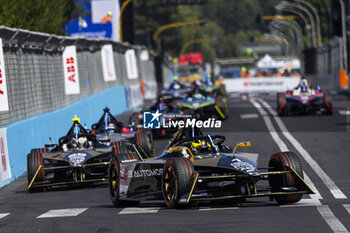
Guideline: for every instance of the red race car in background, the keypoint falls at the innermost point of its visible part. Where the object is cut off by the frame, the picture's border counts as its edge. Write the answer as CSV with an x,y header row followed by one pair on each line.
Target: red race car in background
x,y
303,100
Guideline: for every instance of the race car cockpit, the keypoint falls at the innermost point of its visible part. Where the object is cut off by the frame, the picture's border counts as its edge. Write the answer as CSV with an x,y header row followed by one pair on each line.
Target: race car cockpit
x,y
199,144
176,85
107,123
303,88
77,138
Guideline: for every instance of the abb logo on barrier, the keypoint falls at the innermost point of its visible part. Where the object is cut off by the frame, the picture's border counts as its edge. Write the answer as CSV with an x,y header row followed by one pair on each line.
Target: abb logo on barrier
x,y
4,103
2,154
1,91
71,72
70,69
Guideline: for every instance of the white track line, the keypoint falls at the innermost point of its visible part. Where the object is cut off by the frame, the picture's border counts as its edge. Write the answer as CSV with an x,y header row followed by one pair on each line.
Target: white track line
x,y
333,188
282,145
317,194
304,202
249,116
224,208
324,210
347,207
3,215
331,219
270,127
133,210
344,112
63,213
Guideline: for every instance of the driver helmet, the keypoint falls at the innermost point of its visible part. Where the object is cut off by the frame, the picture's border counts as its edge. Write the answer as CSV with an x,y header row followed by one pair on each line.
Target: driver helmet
x,y
197,82
197,146
108,125
209,80
304,85
198,95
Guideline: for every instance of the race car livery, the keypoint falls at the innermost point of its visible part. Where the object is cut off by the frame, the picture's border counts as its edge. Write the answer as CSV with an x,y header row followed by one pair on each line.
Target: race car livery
x,y
78,158
204,106
304,99
197,167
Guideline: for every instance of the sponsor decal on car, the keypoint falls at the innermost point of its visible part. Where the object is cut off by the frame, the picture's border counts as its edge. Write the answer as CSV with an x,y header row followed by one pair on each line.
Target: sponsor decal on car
x,y
77,158
145,172
242,165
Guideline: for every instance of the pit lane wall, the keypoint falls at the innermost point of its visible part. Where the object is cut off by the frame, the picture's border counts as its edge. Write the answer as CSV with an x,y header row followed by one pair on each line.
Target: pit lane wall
x,y
46,79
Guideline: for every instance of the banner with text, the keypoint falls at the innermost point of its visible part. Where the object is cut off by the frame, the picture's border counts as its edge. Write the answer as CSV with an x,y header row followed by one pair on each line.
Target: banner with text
x,y
108,63
4,104
261,84
5,170
134,95
131,64
70,66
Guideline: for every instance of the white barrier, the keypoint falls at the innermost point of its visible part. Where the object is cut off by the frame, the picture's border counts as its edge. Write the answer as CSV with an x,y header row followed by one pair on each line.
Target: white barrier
x,y
5,170
272,84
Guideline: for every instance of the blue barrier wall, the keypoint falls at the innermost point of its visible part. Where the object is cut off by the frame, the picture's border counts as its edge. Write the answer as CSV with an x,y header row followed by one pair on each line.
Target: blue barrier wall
x,y
34,132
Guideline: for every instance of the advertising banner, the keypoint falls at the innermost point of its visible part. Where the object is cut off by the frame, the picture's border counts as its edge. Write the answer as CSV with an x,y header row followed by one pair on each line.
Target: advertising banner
x,y
108,63
134,95
261,84
5,170
131,64
4,104
70,66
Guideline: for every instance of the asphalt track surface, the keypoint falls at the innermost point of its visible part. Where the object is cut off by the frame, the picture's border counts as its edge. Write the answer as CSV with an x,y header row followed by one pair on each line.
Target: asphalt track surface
x,y
323,143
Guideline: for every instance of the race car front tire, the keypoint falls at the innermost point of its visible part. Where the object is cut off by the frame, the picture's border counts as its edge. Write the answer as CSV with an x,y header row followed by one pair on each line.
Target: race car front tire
x,y
114,181
279,162
34,161
176,180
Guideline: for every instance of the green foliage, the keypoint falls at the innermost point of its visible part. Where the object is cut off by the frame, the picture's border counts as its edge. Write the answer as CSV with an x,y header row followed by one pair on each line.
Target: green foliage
x,y
229,22
44,15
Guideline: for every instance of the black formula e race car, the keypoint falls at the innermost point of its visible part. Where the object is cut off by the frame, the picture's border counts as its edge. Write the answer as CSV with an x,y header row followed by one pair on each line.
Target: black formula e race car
x,y
78,158
304,99
108,130
197,167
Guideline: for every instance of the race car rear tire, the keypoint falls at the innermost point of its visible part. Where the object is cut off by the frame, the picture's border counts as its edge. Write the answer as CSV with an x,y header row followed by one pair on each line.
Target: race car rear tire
x,y
34,160
145,140
281,104
220,103
114,181
327,102
176,180
278,162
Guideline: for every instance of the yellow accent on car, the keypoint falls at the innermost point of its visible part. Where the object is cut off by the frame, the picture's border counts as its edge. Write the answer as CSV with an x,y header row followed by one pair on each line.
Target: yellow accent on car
x,y
241,144
76,119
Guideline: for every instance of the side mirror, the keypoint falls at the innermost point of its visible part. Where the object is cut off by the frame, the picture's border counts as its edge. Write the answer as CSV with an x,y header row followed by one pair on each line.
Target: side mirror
x,y
241,144
51,145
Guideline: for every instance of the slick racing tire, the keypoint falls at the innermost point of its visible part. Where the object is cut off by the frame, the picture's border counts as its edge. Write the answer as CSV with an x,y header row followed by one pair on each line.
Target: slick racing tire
x,y
114,181
145,140
176,180
278,162
281,104
34,161
220,103
327,102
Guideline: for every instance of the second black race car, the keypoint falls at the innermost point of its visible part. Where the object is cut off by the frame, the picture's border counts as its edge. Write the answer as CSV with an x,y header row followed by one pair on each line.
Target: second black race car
x,y
108,130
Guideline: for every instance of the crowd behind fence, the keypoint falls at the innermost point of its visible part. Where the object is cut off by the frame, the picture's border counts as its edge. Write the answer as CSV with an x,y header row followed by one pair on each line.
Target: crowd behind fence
x,y
35,71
